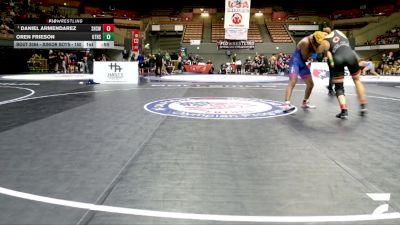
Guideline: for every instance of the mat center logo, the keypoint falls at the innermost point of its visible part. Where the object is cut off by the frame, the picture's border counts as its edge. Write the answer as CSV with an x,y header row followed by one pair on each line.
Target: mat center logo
x,y
217,108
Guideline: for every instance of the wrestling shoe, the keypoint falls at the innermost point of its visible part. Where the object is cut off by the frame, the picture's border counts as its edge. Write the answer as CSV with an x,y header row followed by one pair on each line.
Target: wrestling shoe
x,y
287,107
90,81
363,110
343,115
307,105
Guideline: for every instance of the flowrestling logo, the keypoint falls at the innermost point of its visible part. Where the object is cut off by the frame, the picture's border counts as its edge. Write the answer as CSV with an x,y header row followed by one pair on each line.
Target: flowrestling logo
x,y
217,108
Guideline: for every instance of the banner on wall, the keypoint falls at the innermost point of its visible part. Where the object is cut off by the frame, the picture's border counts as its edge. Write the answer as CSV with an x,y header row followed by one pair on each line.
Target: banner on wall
x,y
135,40
236,34
237,14
227,44
237,19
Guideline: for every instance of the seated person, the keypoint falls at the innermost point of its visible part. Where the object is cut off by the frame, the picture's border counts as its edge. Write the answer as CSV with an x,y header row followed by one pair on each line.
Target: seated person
x,y
168,66
223,69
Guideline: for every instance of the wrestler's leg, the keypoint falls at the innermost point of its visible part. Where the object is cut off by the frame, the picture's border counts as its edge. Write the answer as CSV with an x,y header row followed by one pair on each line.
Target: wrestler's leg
x,y
288,94
372,71
289,89
338,79
305,75
330,85
360,93
309,86
364,71
339,89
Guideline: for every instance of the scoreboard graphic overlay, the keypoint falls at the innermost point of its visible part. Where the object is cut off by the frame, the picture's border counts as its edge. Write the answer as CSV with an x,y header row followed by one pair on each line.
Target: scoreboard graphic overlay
x,y
71,33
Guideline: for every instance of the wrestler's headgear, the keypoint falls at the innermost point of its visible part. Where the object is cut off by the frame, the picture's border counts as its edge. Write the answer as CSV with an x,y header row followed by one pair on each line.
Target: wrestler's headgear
x,y
319,36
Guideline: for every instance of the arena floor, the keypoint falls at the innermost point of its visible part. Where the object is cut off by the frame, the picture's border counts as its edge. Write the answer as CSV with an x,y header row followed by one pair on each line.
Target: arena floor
x,y
116,154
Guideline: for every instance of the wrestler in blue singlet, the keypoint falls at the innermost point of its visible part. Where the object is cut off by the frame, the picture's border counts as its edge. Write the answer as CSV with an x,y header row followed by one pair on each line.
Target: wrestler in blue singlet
x,y
297,66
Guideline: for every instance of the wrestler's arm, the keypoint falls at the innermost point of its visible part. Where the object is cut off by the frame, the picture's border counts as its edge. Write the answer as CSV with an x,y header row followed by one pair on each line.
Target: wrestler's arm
x,y
330,59
323,48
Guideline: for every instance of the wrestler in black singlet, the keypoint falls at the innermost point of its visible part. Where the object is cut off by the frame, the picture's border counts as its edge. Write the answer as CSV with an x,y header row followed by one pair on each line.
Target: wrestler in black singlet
x,y
342,53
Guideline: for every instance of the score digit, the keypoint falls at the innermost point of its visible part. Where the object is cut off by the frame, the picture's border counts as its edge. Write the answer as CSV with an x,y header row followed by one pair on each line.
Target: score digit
x,y
108,27
108,37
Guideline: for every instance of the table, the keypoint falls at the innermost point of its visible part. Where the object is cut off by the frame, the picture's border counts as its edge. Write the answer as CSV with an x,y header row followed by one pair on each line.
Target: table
x,y
207,68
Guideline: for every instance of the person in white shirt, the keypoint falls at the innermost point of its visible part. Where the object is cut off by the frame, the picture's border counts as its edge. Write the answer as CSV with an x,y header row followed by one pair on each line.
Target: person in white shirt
x,y
238,66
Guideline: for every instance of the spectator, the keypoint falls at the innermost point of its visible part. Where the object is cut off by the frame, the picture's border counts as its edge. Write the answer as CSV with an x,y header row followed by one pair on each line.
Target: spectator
x,y
159,64
141,63
125,54
238,66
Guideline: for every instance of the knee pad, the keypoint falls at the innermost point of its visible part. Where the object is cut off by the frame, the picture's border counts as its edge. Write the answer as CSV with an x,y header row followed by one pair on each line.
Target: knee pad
x,y
339,89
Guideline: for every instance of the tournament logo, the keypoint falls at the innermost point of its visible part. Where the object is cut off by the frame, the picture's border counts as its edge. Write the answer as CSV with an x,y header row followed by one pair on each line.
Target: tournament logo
x,y
217,108
237,18
320,73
